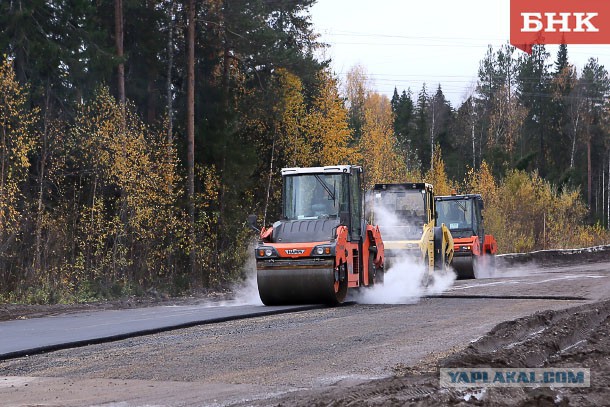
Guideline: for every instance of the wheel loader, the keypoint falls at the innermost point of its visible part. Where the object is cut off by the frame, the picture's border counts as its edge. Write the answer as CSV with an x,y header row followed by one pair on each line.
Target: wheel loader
x,y
321,247
406,216
474,251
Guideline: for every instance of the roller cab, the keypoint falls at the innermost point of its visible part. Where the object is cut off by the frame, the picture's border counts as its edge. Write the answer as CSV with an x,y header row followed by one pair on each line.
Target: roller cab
x,y
473,249
321,247
405,214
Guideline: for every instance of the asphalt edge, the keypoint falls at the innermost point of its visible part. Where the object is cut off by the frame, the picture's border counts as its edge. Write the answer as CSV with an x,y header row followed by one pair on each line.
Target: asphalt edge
x,y
144,332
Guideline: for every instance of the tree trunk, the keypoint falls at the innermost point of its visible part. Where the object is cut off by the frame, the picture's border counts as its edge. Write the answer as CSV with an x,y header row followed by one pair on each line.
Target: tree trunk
x,y
432,129
589,176
170,111
542,161
170,67
151,106
37,266
118,33
3,194
152,76
474,152
574,135
542,158
603,188
190,132
269,179
225,106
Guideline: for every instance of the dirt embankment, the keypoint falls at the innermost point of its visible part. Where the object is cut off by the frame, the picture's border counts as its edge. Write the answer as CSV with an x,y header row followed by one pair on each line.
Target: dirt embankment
x,y
575,337
556,257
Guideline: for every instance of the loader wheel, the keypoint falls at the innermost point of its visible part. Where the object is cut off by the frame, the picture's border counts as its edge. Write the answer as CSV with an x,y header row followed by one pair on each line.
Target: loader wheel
x,y
375,274
340,285
379,275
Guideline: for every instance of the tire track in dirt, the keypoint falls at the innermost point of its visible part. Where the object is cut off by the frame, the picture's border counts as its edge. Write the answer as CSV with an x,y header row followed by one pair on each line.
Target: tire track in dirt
x,y
573,337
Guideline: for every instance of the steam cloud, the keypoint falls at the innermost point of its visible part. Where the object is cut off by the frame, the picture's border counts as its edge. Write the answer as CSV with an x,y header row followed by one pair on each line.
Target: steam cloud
x,y
403,282
246,292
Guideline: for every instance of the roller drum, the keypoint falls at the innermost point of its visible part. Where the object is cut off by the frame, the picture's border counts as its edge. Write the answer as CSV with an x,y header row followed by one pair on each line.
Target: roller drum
x,y
299,282
464,266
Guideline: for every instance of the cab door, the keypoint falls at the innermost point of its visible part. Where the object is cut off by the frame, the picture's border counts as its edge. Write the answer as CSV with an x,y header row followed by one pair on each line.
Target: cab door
x,y
355,203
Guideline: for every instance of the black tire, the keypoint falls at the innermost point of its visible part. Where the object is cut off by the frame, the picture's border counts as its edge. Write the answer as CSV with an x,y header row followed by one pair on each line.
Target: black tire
x,y
342,293
379,276
439,250
375,274
465,267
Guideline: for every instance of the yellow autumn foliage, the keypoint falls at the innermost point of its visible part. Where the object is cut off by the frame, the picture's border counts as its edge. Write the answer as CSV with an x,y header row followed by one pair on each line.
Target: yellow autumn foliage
x,y
290,113
437,176
17,140
378,145
525,212
133,178
327,127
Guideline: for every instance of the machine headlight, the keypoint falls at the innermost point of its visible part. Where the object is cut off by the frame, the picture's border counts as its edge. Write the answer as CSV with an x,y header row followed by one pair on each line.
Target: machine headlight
x,y
265,252
323,250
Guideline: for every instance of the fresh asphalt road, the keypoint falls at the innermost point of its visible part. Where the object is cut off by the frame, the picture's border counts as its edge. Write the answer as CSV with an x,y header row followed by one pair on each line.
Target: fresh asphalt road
x,y
26,337
23,337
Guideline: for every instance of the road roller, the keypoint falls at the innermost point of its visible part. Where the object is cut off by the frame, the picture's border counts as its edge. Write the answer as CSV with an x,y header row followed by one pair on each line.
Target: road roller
x,y
474,251
405,214
321,247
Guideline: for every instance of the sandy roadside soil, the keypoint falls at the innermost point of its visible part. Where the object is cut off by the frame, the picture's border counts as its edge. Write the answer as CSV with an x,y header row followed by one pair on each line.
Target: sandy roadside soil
x,y
575,337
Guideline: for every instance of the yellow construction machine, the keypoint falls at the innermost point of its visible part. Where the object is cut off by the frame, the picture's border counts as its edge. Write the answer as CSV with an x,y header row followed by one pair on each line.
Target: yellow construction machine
x,y
406,215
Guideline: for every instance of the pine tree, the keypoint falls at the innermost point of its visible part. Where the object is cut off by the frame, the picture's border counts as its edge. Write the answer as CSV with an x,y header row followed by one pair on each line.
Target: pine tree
x,y
465,136
534,94
441,122
404,115
565,118
596,89
421,139
356,90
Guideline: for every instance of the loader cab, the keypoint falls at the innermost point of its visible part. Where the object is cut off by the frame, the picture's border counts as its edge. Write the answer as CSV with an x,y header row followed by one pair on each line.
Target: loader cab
x,y
462,214
401,210
316,200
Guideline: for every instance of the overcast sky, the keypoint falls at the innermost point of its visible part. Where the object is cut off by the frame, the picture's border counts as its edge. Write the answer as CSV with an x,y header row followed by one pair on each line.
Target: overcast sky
x,y
404,43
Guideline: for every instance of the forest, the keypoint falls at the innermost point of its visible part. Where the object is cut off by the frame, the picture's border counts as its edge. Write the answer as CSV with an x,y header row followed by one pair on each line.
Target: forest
x,y
137,136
